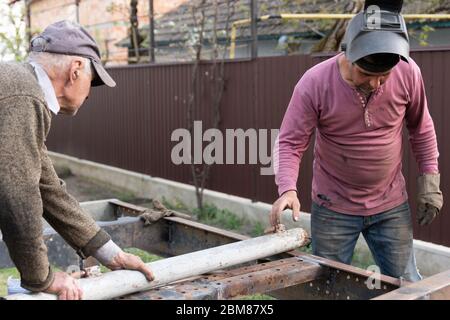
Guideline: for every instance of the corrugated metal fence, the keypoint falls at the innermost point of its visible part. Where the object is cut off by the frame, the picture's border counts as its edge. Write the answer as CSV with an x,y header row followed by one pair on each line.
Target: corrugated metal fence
x,y
130,126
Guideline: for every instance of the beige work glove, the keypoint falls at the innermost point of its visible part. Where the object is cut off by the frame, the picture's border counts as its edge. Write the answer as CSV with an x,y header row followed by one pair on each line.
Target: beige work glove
x,y
429,198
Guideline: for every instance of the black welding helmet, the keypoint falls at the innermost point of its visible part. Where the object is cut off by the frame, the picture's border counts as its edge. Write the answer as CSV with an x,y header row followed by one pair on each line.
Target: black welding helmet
x,y
376,38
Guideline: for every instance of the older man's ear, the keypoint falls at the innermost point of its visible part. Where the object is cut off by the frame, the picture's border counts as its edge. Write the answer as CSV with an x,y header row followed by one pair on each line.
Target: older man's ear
x,y
76,68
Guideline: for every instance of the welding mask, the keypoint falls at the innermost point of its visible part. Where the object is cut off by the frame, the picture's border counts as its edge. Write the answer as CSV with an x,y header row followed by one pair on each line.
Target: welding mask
x,y
376,39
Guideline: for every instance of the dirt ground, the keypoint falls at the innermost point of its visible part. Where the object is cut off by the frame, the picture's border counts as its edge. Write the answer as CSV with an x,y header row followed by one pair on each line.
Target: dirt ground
x,y
84,189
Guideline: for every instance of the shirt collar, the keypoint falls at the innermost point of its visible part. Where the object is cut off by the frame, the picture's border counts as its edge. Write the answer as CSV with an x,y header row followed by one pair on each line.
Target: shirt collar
x,y
47,88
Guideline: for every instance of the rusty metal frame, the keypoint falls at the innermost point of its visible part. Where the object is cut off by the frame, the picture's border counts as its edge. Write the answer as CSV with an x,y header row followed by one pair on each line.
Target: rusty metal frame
x,y
332,280
291,275
246,280
436,287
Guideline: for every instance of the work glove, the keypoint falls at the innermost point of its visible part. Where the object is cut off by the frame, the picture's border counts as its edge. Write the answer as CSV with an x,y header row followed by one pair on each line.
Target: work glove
x,y
429,198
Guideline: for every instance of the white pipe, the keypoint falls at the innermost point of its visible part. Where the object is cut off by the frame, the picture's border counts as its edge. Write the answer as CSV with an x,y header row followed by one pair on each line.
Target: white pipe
x,y
119,283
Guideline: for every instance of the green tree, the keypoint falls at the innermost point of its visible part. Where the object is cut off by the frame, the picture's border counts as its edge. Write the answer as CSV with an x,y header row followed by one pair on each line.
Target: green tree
x,y
13,42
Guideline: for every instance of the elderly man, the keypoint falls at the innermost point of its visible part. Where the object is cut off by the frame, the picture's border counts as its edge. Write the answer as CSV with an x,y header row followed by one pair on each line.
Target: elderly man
x,y
63,65
356,103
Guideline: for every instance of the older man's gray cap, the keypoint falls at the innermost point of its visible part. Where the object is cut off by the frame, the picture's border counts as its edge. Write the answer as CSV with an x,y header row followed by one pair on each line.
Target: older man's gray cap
x,y
69,38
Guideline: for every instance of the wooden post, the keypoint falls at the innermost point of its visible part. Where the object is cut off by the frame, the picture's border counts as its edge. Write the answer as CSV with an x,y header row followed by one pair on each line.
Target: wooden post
x,y
77,8
28,22
134,29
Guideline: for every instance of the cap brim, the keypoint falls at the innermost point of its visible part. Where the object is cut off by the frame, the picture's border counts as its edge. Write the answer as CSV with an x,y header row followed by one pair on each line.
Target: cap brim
x,y
102,77
378,42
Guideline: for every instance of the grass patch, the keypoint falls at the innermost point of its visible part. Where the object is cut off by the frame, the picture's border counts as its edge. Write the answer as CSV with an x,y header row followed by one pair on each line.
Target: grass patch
x,y
144,255
257,230
4,275
222,218
359,260
306,249
176,205
362,261
257,296
126,196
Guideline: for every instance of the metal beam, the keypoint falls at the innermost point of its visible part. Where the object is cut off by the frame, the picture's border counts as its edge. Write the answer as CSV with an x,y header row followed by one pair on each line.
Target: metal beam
x,y
254,28
303,277
261,278
434,287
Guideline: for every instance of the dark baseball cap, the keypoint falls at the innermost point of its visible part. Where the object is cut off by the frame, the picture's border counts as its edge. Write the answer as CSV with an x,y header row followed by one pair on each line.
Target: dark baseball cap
x,y
70,38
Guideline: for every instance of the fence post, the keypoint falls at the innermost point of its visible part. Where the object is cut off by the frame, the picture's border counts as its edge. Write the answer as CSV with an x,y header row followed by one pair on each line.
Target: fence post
x,y
254,28
151,32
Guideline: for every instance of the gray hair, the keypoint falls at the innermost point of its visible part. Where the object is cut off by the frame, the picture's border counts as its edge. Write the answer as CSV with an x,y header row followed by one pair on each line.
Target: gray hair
x,y
58,62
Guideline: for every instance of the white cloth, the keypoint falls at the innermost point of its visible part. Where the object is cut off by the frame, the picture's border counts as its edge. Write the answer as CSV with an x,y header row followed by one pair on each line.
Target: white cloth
x,y
47,88
106,253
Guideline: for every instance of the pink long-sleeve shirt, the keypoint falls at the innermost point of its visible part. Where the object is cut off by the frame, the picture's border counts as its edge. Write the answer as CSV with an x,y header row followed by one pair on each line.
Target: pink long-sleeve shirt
x,y
358,148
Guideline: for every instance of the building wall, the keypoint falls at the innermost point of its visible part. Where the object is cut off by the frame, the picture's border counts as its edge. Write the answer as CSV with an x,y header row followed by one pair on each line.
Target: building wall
x,y
106,20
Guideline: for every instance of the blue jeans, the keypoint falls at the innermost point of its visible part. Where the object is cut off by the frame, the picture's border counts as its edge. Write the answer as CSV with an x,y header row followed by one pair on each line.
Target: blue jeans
x,y
389,236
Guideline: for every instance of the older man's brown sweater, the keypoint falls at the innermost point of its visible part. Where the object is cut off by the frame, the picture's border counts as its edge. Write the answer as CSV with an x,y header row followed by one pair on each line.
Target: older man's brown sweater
x,y
29,186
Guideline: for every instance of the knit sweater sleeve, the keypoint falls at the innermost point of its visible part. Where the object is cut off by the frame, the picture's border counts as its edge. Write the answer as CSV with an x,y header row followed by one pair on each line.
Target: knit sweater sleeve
x,y
22,135
64,214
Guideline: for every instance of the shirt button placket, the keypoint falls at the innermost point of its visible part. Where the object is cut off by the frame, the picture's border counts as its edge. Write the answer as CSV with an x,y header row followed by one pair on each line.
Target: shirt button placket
x,y
366,111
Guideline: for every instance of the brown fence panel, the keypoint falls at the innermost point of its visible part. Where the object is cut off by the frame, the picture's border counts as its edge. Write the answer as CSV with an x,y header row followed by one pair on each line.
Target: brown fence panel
x,y
130,126
435,67
275,80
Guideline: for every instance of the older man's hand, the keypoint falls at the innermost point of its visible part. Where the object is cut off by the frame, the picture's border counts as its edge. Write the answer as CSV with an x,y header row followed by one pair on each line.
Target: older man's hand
x,y
128,261
65,287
